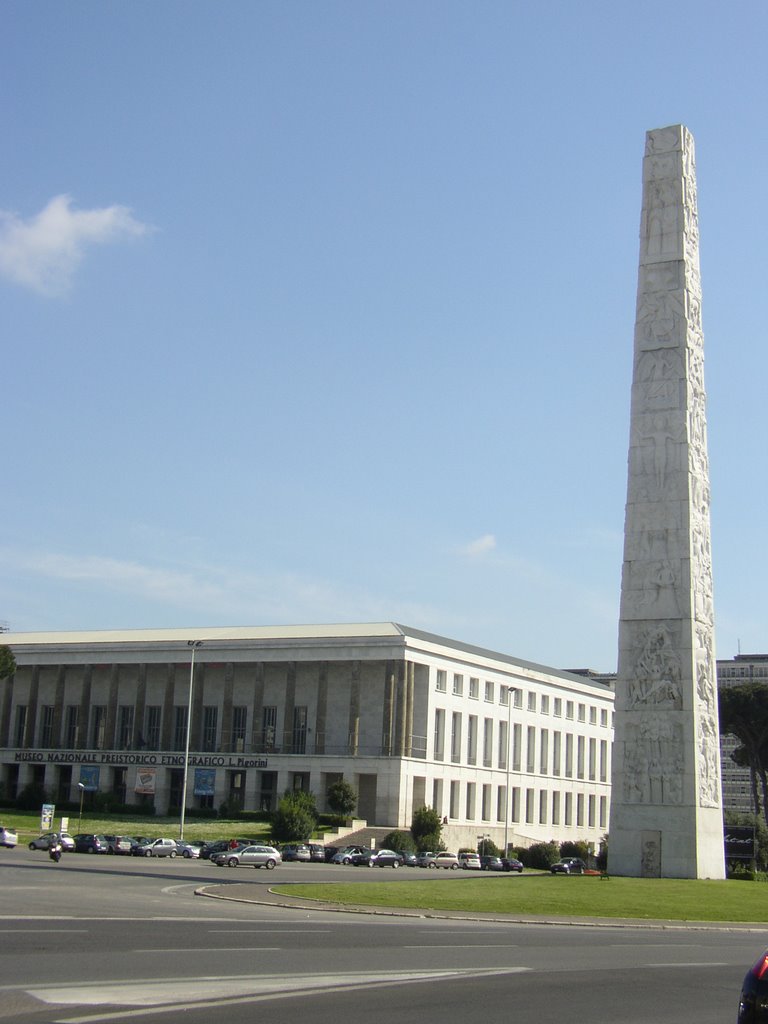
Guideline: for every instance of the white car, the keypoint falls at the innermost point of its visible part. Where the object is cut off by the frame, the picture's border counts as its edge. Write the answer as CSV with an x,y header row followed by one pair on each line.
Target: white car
x,y
8,837
161,848
469,861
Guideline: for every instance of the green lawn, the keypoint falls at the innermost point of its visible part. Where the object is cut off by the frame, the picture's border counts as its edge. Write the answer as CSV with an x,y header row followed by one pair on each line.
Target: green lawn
x,y
27,824
558,896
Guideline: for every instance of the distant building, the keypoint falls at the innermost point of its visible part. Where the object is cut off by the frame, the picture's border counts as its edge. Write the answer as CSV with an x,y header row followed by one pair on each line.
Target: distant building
x,y
499,747
737,782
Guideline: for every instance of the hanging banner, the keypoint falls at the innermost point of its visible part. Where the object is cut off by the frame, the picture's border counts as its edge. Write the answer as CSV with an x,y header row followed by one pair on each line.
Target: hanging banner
x,y
205,781
46,817
145,781
89,776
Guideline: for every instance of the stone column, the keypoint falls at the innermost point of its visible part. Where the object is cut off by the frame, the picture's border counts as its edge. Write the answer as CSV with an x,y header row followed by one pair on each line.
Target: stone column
x,y
322,708
666,817
83,722
226,707
354,711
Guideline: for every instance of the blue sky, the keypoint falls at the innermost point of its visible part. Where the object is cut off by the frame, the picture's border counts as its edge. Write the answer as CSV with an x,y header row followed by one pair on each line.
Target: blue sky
x,y
323,311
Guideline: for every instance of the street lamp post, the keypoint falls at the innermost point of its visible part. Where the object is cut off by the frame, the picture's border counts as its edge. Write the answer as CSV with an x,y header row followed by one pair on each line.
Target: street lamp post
x,y
81,787
194,644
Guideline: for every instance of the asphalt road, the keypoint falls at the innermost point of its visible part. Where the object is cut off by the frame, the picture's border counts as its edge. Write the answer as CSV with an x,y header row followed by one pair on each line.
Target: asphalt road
x,y
99,938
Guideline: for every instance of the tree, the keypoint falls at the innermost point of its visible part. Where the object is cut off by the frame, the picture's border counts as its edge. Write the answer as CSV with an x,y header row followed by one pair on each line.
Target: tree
x,y
398,840
7,662
342,798
744,714
426,829
295,819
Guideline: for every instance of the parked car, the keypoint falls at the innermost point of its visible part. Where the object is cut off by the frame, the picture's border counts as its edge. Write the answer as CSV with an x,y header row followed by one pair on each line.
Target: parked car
x,y
296,852
139,845
569,866
44,841
753,1003
512,864
489,863
380,859
8,837
317,852
256,855
408,857
191,849
345,855
218,846
424,858
161,848
469,861
88,842
446,860
119,844
330,852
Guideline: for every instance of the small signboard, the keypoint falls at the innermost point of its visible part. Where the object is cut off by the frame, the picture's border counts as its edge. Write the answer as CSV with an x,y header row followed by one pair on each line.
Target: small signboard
x,y
46,817
739,842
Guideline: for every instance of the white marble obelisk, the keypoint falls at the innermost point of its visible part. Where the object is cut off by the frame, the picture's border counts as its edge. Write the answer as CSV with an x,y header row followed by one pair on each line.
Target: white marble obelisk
x,y
666,816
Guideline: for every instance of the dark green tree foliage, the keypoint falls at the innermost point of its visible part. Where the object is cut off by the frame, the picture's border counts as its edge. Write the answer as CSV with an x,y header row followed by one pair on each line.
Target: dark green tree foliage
x,y
399,840
7,662
342,798
295,819
426,829
541,855
744,714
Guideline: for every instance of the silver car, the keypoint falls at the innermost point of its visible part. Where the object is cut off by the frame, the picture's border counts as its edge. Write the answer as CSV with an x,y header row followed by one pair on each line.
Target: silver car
x,y
8,837
256,856
44,841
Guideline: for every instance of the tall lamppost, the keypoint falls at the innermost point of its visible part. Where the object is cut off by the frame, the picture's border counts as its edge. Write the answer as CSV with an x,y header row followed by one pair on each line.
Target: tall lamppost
x,y
194,644
507,808
81,787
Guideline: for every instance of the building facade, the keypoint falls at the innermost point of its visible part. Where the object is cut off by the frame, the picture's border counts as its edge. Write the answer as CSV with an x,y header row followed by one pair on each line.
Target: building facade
x,y
498,747
738,782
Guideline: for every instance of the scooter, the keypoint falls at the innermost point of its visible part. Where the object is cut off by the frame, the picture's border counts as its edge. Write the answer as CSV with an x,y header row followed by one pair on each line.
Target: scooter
x,y
54,852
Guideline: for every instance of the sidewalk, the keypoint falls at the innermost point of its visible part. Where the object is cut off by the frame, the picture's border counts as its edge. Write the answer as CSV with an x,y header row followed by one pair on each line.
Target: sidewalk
x,y
261,894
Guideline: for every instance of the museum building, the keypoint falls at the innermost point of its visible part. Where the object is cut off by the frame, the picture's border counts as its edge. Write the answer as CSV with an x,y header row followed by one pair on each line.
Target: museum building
x,y
498,746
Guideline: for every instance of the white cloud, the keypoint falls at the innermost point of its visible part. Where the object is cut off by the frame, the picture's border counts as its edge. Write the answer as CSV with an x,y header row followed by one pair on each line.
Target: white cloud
x,y
43,252
480,546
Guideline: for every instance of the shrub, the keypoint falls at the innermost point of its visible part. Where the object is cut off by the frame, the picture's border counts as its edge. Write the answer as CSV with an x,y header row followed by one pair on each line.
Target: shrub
x,y
426,829
398,840
575,849
342,798
541,855
295,819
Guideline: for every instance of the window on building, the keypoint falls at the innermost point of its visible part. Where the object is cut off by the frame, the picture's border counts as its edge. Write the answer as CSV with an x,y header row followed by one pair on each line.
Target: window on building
x,y
518,698
453,800
472,740
269,728
591,810
441,684
569,709
558,707
501,803
439,734
46,725
437,795
603,812
210,722
471,796
455,741
544,704
603,760
70,726
604,717
154,716
517,747
474,688
580,809
569,808
489,691
488,743
556,752
582,713
125,727
592,758
542,807
592,715
515,803
21,724
529,803
504,696
569,755
180,727
532,700
555,808
99,727
458,689
486,808
503,745
530,760
579,757
544,751
239,726
299,739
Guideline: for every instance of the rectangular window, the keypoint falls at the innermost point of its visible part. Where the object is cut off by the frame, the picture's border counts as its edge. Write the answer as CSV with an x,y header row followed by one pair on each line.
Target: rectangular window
x,y
154,717
558,707
458,690
544,704
98,726
21,724
532,701
501,803
591,811
269,728
299,738
592,715
504,696
579,757
239,727
569,709
530,760
46,725
489,691
542,807
503,745
437,795
518,701
544,752
471,796
486,809
210,722
568,756
529,798
555,808
556,752
180,727
441,684
582,713
439,733
603,760
472,740
604,717
72,732
569,808
580,809
474,688
603,812
488,743
592,758
515,803
125,727
517,745
453,809
455,741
